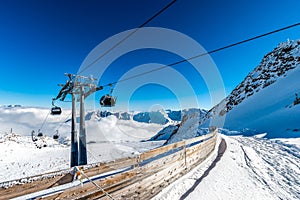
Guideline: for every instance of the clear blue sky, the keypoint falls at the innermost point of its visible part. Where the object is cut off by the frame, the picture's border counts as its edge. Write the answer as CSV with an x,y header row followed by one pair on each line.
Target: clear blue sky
x,y
41,40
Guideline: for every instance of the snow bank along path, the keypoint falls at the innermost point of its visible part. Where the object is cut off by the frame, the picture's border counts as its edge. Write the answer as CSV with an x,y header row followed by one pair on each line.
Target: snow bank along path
x,y
137,177
251,168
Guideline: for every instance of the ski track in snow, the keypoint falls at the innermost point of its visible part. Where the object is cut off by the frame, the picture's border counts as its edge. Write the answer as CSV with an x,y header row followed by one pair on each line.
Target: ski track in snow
x,y
251,168
275,165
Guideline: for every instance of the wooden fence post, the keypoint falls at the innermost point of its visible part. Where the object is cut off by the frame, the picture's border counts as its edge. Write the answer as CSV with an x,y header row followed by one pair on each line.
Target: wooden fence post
x,y
138,158
184,149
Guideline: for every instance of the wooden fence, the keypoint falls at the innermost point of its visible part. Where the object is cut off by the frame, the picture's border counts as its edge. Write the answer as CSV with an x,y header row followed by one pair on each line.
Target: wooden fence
x,y
140,177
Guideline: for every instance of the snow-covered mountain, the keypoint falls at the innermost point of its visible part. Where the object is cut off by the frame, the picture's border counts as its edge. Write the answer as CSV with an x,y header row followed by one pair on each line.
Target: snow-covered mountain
x,y
188,127
267,100
157,117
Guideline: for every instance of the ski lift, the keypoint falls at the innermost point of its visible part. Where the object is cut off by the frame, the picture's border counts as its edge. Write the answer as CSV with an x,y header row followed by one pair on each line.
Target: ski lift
x,y
33,137
40,134
108,100
56,135
55,110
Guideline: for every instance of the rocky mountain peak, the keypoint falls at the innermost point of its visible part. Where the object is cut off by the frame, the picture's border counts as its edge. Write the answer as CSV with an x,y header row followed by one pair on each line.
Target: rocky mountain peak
x,y
274,65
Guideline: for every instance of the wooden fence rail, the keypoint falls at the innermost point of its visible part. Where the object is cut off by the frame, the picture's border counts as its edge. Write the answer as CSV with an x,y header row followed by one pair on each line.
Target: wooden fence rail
x,y
140,177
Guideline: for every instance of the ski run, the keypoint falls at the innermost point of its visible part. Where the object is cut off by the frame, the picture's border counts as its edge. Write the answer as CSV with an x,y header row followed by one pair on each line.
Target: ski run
x,y
251,168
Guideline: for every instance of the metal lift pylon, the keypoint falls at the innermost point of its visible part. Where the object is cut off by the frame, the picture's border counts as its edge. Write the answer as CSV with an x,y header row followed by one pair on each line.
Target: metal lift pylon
x,y
81,87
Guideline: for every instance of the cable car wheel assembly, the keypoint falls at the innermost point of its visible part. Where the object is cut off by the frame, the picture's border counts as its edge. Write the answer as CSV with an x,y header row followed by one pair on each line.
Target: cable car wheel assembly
x,y
107,100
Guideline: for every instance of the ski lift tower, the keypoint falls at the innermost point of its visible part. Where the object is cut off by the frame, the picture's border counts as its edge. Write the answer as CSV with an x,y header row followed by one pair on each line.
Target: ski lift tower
x,y
83,87
79,87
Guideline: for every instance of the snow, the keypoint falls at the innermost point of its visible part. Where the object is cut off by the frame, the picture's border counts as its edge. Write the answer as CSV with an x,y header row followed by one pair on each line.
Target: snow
x,y
157,117
188,128
274,113
251,168
264,101
20,157
291,141
107,139
165,133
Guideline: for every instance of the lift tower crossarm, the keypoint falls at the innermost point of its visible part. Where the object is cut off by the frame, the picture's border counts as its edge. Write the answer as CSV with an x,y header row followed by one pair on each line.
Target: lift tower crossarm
x,y
80,87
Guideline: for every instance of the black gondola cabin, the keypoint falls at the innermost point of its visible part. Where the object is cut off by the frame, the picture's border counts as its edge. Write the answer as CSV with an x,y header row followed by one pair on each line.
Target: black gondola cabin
x,y
56,110
107,101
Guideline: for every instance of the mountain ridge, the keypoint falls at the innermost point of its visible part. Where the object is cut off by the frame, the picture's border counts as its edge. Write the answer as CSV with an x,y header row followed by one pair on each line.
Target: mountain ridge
x,y
260,90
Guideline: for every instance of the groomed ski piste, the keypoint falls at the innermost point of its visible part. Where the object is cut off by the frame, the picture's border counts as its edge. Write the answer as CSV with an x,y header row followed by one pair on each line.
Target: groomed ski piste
x,y
251,168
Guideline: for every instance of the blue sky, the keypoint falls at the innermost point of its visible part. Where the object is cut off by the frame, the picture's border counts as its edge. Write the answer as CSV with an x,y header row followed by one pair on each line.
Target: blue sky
x,y
41,40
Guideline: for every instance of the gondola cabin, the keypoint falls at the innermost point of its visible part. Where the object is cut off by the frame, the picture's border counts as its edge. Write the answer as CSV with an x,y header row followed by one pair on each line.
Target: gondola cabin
x,y
107,101
55,110
33,137
55,137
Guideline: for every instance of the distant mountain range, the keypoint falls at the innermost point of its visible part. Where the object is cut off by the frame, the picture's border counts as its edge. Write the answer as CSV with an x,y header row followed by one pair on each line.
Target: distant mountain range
x,y
157,117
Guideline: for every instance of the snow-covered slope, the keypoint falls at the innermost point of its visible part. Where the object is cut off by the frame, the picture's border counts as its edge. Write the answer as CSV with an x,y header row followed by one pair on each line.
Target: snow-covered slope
x,y
187,128
165,133
266,100
251,168
21,158
107,139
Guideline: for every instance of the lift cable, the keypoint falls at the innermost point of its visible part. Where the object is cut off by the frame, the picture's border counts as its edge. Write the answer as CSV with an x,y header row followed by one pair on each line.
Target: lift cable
x,y
44,121
117,44
62,95
62,123
203,54
180,61
126,37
